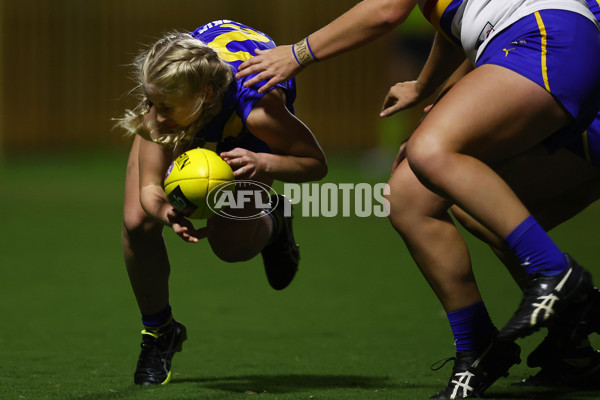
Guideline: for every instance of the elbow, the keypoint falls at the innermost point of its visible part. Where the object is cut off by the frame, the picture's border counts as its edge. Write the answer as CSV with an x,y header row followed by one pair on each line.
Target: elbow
x,y
321,167
317,171
322,170
393,13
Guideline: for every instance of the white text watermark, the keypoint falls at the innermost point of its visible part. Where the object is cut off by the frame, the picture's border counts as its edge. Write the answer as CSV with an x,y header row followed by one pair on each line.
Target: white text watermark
x,y
307,199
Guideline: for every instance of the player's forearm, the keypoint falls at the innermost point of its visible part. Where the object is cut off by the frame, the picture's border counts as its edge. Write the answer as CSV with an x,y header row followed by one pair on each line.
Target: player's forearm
x,y
443,60
286,168
365,22
153,162
457,75
154,201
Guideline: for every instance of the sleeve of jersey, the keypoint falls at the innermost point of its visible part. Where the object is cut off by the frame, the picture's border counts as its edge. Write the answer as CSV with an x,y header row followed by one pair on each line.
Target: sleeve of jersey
x,y
247,97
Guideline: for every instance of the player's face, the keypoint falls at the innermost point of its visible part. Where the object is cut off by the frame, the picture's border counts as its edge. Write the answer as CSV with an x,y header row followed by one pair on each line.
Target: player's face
x,y
173,111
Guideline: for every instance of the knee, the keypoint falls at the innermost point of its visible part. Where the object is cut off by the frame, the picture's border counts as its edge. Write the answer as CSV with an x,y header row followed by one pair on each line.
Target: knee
x,y
231,251
137,225
398,209
404,208
232,241
412,206
426,156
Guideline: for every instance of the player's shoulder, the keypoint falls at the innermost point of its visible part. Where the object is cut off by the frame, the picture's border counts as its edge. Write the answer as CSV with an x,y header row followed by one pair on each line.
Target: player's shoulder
x,y
220,24
224,26
235,42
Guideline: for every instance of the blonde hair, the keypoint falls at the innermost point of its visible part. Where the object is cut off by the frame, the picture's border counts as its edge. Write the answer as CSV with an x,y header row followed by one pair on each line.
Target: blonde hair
x,y
178,64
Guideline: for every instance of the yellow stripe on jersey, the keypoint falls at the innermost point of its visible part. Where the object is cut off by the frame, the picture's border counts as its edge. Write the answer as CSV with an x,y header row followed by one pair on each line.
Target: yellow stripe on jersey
x,y
542,29
233,128
586,146
437,12
238,35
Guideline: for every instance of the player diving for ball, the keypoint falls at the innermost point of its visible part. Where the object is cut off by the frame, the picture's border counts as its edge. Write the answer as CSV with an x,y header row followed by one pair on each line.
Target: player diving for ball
x,y
189,98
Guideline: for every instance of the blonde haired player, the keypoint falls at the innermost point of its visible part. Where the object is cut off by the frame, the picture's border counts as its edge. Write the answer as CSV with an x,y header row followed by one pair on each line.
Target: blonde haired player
x,y
189,98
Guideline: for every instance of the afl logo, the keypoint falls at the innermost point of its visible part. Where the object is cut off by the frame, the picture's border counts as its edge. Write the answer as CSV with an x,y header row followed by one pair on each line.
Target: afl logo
x,y
224,201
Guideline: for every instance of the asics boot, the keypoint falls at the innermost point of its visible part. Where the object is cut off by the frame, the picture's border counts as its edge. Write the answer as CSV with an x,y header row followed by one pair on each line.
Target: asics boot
x,y
154,363
473,373
546,296
565,355
569,331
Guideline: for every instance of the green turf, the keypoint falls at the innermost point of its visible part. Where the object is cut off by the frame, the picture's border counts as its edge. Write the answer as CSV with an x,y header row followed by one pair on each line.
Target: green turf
x,y
359,322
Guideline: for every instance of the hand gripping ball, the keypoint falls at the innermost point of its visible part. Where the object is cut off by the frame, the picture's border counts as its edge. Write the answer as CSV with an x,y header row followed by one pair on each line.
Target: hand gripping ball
x,y
190,179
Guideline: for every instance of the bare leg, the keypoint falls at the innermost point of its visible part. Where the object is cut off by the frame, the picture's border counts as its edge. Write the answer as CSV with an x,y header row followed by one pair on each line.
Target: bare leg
x,y
436,245
448,150
144,249
555,186
421,217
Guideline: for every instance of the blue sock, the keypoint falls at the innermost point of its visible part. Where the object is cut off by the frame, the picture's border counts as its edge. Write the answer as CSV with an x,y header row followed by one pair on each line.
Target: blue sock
x,y
472,327
535,249
160,322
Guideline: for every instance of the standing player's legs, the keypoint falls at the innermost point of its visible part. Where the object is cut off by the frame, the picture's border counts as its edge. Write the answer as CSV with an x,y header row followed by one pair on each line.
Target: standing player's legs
x,y
449,150
555,186
438,248
148,267
448,153
435,244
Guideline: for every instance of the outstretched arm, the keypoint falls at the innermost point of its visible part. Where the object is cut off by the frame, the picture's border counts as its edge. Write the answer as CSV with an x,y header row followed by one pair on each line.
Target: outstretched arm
x,y
443,60
363,23
404,95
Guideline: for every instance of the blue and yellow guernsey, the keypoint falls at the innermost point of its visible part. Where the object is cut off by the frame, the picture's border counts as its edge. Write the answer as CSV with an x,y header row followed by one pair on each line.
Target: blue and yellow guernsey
x,y
441,14
594,6
235,43
472,24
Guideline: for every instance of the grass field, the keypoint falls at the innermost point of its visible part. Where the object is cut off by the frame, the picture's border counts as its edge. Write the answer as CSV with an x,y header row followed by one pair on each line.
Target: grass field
x,y
359,321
